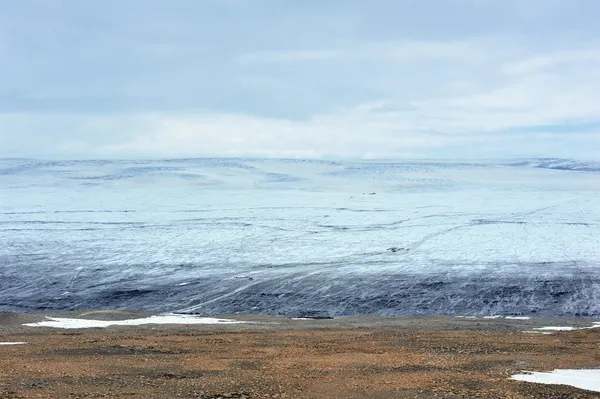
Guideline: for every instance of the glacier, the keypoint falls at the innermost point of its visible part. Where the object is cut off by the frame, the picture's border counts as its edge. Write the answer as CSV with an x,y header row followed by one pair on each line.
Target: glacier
x,y
302,238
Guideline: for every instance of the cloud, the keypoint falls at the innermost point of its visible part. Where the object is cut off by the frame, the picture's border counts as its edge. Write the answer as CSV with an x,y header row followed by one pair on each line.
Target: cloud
x,y
274,57
272,79
367,131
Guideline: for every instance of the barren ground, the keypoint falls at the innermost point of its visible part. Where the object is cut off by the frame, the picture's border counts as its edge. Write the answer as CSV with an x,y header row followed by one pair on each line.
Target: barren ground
x,y
280,358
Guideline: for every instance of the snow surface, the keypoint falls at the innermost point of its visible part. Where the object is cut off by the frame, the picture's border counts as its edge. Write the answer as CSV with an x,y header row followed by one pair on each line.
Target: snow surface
x,y
566,328
551,328
496,317
61,322
584,379
299,238
12,343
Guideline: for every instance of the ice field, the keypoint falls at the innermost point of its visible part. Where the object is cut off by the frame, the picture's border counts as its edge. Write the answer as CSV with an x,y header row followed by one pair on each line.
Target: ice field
x,y
302,238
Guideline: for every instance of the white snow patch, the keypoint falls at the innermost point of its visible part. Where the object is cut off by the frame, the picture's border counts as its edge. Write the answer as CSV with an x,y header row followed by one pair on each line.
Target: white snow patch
x,y
538,332
182,284
553,328
584,379
567,328
12,343
496,317
60,322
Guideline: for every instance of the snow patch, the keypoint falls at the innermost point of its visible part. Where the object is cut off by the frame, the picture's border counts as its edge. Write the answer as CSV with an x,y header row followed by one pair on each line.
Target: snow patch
x,y
553,328
584,379
567,328
496,317
60,322
12,343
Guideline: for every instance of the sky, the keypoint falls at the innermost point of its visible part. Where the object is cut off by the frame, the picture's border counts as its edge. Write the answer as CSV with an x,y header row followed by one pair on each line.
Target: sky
x,y
300,78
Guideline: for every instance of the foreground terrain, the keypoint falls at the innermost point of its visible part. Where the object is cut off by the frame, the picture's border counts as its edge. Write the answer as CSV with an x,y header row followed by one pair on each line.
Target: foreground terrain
x,y
282,358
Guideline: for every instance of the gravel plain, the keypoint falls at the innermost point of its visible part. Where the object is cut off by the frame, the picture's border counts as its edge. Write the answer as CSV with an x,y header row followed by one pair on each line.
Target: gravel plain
x,y
271,357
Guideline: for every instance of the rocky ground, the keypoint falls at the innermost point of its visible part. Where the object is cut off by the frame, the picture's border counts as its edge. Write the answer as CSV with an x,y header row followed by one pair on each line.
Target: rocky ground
x,y
372,358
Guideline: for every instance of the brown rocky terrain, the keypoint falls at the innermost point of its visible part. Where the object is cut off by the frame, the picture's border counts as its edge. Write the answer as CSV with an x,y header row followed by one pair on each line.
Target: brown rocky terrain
x,y
281,358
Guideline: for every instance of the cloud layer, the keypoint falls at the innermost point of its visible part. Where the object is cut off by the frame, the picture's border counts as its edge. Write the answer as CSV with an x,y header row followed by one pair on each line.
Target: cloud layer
x,y
461,78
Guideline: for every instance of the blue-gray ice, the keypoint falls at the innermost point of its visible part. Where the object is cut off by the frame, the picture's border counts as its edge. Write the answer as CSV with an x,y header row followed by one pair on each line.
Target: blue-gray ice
x,y
302,238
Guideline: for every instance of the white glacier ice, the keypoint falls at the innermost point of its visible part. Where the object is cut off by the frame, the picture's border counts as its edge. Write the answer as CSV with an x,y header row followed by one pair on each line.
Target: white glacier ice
x,y
302,238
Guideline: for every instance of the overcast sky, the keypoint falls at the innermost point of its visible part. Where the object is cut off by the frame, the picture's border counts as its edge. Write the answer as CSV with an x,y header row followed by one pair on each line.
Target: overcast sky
x,y
299,78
